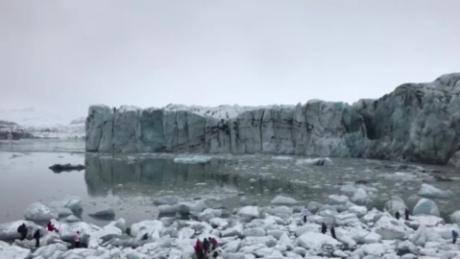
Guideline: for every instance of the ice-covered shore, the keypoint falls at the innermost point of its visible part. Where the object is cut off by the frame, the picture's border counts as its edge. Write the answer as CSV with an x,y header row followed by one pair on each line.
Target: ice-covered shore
x,y
275,231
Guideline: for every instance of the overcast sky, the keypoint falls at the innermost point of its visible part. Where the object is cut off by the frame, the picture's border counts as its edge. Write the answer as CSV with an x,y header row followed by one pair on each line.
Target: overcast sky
x,y
64,55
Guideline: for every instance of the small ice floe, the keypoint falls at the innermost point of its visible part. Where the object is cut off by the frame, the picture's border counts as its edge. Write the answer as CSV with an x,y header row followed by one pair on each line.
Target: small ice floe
x,y
282,158
39,212
455,217
429,191
192,159
400,176
106,213
426,207
322,161
284,200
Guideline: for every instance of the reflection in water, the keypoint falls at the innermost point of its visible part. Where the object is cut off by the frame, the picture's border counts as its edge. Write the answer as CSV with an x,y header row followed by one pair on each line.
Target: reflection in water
x,y
130,184
258,178
123,176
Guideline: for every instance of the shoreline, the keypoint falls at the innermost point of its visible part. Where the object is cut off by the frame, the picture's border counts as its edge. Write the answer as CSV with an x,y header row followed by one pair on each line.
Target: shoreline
x,y
275,231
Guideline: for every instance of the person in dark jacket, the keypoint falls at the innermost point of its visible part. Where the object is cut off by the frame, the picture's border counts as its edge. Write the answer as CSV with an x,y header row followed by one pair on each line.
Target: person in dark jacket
x,y
397,215
323,228
22,230
454,236
206,245
37,238
77,240
214,243
407,213
333,232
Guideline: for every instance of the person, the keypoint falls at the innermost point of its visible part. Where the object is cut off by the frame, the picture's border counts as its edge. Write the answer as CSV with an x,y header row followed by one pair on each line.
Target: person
x,y
22,230
37,238
454,236
51,227
397,215
206,245
323,228
77,239
214,243
198,249
407,213
333,232
306,213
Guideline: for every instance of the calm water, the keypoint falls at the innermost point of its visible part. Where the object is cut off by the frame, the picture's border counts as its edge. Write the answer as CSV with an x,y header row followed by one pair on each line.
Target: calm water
x,y
130,184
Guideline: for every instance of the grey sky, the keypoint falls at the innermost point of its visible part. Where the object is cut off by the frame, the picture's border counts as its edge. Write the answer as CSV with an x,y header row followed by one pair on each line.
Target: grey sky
x,y
64,55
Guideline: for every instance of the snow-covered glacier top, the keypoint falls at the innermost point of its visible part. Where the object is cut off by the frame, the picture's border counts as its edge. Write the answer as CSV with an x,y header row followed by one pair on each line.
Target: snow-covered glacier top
x,y
221,111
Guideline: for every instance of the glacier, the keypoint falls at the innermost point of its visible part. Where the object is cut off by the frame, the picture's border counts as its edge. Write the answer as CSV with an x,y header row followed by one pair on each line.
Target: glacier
x,y
417,122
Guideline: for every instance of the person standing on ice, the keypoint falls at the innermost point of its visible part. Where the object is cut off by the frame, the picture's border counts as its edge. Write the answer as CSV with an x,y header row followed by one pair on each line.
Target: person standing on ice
x,y
51,227
305,214
37,238
198,249
333,232
22,230
407,213
454,236
323,228
77,240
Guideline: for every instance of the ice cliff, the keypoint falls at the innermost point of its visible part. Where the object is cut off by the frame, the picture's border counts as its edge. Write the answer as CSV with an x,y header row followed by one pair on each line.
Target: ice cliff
x,y
416,122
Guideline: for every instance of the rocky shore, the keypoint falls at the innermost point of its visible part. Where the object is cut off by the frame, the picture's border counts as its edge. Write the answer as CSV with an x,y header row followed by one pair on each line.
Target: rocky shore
x,y
416,122
248,231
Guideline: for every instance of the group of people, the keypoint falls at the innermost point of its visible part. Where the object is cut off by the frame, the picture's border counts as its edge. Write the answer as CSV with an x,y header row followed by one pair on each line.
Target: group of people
x,y
306,214
406,214
206,249
23,231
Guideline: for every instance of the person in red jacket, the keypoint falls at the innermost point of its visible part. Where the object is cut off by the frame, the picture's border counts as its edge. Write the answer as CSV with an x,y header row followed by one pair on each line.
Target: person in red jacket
x,y
199,249
51,227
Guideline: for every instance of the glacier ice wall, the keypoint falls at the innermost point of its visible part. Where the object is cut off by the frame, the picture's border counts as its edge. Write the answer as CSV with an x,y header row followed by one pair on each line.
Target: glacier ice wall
x,y
416,122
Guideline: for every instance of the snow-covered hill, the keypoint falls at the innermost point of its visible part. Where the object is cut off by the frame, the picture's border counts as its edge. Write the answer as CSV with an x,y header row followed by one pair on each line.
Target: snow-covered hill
x,y
42,123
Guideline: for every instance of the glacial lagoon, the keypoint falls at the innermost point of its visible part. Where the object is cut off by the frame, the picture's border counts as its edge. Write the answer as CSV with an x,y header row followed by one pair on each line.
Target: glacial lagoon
x,y
131,184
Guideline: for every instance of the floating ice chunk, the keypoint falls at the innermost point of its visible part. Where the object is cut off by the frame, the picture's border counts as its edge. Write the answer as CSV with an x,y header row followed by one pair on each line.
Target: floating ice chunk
x,y
360,196
103,213
455,217
429,191
284,200
38,212
314,161
426,207
249,212
192,159
338,199
73,204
